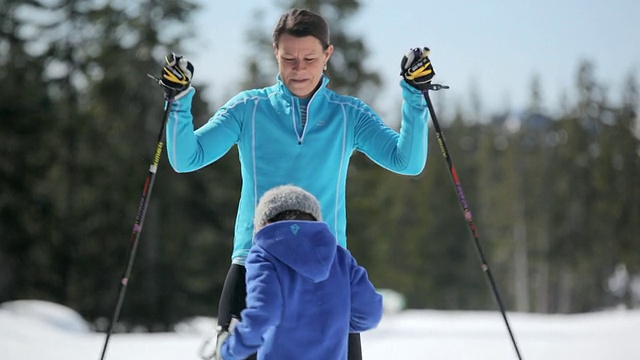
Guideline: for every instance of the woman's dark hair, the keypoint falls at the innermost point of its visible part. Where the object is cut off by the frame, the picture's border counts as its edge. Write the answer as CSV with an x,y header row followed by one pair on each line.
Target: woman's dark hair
x,y
301,23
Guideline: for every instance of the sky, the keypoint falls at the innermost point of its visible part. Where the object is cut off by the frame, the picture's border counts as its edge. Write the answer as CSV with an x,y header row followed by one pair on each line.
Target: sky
x,y
35,330
492,48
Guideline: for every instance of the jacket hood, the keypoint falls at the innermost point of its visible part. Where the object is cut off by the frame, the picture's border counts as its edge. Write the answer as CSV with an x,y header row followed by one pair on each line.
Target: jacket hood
x,y
308,247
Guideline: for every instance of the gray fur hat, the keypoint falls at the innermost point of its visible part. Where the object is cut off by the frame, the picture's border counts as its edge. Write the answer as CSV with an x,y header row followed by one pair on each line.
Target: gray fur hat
x,y
283,198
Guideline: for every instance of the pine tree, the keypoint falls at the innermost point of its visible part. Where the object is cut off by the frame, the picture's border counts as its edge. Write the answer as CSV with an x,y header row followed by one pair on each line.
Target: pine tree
x,y
26,110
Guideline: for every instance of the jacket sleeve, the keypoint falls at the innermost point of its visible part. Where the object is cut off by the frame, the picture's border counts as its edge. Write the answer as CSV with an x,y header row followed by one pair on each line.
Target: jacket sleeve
x,y
190,150
366,303
404,152
264,307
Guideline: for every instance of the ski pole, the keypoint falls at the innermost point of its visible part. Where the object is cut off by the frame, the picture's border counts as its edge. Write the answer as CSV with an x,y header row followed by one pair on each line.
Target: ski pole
x,y
137,227
465,208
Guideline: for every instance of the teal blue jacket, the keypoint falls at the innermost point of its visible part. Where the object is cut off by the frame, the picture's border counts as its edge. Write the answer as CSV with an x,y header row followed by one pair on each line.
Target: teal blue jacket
x,y
275,149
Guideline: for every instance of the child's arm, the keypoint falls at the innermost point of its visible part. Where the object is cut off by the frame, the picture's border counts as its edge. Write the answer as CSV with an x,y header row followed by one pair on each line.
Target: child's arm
x,y
366,303
264,308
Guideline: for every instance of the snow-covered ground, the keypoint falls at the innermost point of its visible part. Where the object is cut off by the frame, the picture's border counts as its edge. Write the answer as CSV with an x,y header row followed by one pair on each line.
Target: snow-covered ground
x,y
36,330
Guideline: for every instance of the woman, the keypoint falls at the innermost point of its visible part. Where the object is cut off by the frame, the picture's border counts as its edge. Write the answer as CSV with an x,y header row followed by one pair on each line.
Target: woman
x,y
298,132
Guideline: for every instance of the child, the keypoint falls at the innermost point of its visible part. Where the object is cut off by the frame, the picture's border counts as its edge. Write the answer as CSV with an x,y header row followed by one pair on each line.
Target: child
x,y
305,293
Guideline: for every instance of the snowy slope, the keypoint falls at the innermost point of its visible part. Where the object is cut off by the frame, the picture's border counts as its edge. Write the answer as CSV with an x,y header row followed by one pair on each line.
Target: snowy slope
x,y
35,330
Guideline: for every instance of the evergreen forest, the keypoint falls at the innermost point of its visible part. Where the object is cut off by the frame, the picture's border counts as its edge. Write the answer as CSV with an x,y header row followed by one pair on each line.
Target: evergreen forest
x,y
555,197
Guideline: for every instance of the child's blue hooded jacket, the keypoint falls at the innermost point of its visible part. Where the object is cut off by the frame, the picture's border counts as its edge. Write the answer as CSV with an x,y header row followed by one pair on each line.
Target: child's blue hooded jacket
x,y
304,295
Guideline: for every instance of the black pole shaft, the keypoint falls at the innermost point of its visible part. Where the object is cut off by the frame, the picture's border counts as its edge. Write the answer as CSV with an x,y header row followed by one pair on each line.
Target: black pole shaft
x,y
137,227
467,213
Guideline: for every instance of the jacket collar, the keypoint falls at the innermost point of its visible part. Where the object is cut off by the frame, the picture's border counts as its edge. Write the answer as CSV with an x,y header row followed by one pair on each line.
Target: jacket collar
x,y
285,90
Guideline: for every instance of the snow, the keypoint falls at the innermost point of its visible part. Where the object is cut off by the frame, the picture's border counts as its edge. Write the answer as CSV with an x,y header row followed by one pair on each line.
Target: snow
x,y
31,329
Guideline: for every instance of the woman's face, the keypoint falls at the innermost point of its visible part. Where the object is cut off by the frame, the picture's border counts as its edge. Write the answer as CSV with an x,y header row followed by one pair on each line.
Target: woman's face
x,y
300,62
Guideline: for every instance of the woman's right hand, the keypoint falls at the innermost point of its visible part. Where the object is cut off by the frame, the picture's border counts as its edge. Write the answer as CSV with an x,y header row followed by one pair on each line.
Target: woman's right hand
x,y
176,76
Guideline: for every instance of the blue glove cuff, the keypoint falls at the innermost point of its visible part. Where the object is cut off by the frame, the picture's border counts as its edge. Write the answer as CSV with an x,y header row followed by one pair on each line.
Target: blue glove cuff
x,y
224,352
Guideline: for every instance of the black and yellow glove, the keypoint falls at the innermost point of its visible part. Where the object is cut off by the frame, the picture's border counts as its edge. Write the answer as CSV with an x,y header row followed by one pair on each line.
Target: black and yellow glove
x,y
416,67
176,76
